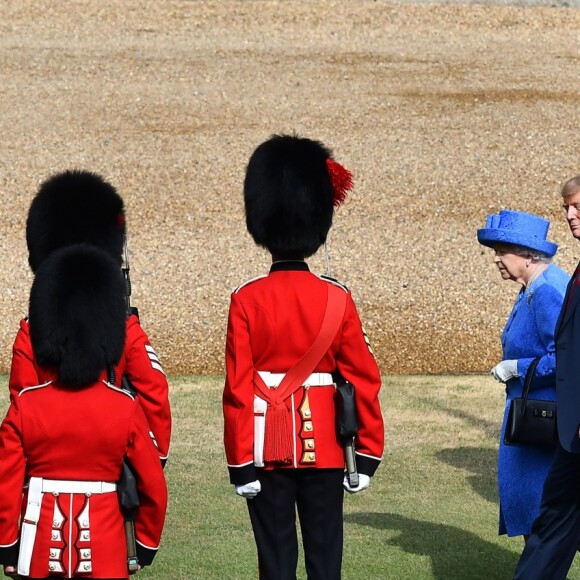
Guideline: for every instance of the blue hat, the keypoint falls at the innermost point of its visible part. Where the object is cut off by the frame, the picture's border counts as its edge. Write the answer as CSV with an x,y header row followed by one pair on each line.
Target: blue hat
x,y
517,227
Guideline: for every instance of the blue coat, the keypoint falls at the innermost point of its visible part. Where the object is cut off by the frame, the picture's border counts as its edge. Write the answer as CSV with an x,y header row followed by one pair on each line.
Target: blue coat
x,y
529,332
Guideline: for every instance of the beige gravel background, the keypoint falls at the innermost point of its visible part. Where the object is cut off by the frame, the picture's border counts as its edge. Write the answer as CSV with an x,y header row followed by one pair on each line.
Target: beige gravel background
x,y
443,112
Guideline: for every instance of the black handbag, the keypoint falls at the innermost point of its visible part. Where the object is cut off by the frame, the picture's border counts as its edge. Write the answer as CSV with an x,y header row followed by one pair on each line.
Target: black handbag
x,y
531,421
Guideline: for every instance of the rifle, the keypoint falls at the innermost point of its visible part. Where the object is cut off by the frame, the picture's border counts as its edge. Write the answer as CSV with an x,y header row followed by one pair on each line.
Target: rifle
x,y
129,500
127,485
127,278
346,424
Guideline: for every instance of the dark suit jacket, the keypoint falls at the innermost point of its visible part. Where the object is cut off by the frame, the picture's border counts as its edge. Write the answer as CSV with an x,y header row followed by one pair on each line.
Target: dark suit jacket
x,y
567,340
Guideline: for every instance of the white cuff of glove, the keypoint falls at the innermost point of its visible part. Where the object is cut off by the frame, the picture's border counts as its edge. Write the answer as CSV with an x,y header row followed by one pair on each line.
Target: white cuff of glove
x,y
249,490
505,370
363,482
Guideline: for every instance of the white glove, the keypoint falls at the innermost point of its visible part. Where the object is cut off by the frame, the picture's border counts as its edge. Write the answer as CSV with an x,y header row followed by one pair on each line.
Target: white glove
x,y
249,490
505,370
363,482
10,571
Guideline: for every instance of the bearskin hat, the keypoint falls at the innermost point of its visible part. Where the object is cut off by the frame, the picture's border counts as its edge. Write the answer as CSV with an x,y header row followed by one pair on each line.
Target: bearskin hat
x,y
74,207
77,314
289,195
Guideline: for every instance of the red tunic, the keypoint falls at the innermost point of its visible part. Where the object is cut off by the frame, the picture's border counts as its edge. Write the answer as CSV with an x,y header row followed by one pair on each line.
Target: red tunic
x,y
272,322
59,433
139,361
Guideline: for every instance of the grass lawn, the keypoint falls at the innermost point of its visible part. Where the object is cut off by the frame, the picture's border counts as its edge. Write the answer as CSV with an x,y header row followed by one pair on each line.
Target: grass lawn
x,y
431,510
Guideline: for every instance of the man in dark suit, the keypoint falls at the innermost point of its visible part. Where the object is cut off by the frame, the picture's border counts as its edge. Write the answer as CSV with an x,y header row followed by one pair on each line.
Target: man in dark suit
x,y
555,536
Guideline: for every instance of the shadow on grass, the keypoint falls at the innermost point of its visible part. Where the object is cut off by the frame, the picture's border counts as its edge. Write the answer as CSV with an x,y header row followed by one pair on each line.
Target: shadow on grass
x,y
491,429
455,554
481,462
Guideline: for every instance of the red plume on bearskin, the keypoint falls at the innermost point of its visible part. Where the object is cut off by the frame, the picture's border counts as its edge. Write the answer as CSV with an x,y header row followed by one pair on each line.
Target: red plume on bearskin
x,y
341,180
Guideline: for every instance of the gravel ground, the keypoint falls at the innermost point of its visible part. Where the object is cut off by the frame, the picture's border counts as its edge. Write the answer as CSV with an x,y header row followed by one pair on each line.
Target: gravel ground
x,y
443,112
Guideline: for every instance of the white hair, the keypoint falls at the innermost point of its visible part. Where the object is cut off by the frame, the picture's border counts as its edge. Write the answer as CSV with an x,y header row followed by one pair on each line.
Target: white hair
x,y
534,254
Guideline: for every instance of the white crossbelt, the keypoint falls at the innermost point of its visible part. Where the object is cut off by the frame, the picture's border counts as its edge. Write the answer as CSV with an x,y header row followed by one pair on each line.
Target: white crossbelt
x,y
313,380
37,486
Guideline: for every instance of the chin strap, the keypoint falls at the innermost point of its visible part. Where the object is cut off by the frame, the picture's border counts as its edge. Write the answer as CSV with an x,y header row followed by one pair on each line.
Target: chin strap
x,y
327,260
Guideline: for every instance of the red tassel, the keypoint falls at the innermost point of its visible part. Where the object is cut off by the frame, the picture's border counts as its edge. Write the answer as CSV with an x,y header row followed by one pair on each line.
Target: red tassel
x,y
277,440
341,180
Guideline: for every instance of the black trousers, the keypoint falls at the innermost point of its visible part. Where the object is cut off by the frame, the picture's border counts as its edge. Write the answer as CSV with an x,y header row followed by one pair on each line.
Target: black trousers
x,y
555,536
317,495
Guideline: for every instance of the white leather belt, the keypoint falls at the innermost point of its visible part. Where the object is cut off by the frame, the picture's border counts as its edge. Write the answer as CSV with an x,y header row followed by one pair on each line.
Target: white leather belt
x,y
28,527
37,487
69,486
313,380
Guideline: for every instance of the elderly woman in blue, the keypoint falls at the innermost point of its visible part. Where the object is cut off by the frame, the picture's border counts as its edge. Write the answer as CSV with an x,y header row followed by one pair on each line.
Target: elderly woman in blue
x,y
523,254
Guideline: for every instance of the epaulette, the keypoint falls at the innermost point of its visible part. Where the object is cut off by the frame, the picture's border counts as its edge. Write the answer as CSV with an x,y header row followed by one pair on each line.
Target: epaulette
x,y
333,281
35,388
249,282
123,391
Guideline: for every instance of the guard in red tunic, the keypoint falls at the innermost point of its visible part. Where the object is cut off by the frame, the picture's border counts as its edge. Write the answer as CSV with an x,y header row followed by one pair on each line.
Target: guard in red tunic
x,y
80,207
65,441
281,440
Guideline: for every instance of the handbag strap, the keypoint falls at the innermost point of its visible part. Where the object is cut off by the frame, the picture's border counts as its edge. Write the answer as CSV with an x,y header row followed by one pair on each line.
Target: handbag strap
x,y
528,380
295,377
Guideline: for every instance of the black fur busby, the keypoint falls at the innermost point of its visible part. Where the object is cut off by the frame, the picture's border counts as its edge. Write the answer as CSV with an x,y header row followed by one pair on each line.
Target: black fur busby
x,y
77,314
74,207
288,196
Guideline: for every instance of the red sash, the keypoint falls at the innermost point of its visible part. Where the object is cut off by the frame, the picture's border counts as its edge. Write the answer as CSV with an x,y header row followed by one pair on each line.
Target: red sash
x,y
277,442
